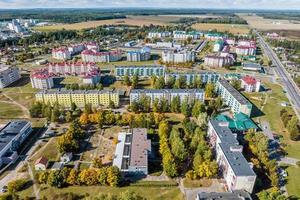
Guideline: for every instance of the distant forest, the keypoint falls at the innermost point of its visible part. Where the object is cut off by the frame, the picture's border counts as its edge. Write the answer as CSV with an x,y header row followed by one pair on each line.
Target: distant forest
x,y
218,20
80,15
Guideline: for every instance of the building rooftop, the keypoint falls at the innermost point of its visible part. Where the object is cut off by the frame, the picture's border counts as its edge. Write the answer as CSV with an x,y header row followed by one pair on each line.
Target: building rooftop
x,y
235,195
147,66
236,94
64,91
167,91
223,132
241,122
249,80
236,159
254,66
11,131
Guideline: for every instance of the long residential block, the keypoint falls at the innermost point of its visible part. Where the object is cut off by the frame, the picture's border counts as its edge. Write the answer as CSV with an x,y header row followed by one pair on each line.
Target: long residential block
x,y
206,77
12,136
167,94
141,71
79,97
233,98
232,164
8,75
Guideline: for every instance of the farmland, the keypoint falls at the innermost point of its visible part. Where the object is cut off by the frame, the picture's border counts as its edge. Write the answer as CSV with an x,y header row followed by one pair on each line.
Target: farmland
x,y
232,28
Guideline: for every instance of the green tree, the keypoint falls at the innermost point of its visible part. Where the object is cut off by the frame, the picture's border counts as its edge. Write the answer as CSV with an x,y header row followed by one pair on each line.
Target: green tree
x,y
209,90
185,108
198,107
127,80
113,176
159,83
175,104
135,81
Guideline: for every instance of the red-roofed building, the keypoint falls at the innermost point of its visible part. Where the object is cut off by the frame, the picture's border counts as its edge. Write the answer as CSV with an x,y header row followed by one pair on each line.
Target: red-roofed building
x,y
41,164
250,84
42,79
222,59
246,47
61,53
94,56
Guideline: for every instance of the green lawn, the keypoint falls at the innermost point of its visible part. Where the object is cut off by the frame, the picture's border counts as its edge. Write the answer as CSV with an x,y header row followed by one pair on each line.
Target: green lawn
x,y
293,181
197,183
149,192
71,80
10,111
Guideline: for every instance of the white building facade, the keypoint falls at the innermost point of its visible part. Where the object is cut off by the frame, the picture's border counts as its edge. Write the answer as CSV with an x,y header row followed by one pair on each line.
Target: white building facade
x,y
8,75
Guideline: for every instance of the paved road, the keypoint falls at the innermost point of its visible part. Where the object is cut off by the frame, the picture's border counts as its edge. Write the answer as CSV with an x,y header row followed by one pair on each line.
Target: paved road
x,y
288,160
292,90
265,126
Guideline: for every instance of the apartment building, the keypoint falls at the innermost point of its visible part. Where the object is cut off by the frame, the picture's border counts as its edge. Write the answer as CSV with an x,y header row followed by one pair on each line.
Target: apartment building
x,y
218,45
233,166
12,136
61,54
167,94
213,36
95,56
250,84
92,46
41,79
183,35
233,98
246,48
8,75
76,48
80,97
206,77
178,56
132,151
139,55
221,59
141,71
159,34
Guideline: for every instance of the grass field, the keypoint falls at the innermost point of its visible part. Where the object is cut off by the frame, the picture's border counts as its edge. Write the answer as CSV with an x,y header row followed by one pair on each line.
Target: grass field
x,y
197,183
10,111
232,28
149,192
293,181
261,23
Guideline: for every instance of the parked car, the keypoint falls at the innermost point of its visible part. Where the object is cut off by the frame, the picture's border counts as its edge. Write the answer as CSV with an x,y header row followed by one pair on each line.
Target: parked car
x,y
4,189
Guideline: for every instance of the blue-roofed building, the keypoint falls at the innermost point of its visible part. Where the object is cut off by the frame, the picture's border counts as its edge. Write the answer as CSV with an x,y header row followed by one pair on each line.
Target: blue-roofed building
x,y
139,55
12,136
206,77
141,71
233,166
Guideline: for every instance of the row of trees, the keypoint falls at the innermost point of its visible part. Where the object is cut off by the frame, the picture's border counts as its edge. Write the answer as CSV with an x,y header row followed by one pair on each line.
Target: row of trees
x,y
52,113
185,148
257,146
93,176
175,83
291,123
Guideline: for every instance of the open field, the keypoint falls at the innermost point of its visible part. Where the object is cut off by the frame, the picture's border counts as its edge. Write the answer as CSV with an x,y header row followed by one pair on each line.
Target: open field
x,y
232,28
149,192
9,110
293,181
261,23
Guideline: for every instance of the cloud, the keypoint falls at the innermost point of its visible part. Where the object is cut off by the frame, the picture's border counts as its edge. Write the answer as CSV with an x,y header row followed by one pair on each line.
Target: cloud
x,y
246,4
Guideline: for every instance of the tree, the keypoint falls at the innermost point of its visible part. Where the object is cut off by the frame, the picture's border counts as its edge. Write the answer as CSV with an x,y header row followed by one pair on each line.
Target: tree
x,y
110,118
73,106
113,176
84,119
170,82
197,83
198,107
69,116
202,119
88,176
16,185
177,145
55,114
43,177
209,90
56,179
134,106
135,81
130,195
102,176
97,163
175,104
164,105
236,84
73,177
159,83
185,108
180,82
293,128
156,105
270,63
127,80
88,109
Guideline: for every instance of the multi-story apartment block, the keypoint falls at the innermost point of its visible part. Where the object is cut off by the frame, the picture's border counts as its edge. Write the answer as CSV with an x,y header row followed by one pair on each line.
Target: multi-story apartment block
x,y
139,55
76,48
141,71
183,35
232,164
213,36
132,151
41,79
12,136
250,84
159,34
206,77
219,60
91,46
218,46
61,54
167,94
80,97
8,75
178,56
233,98
95,56
246,47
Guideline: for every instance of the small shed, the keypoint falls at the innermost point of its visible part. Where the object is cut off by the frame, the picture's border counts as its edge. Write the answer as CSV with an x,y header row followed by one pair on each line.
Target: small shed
x,y
66,157
41,164
57,166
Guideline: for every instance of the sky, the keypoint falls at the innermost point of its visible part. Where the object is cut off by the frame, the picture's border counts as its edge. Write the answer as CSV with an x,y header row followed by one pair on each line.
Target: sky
x,y
222,4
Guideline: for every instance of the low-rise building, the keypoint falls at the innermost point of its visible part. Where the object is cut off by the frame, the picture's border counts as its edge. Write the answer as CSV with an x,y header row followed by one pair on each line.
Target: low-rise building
x,y
233,98
252,67
12,136
190,77
167,94
250,84
80,97
61,54
178,56
213,36
159,34
234,195
66,157
132,151
95,56
139,55
141,71
8,75
233,166
41,164
219,60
